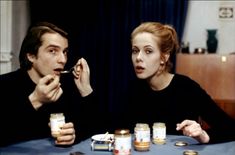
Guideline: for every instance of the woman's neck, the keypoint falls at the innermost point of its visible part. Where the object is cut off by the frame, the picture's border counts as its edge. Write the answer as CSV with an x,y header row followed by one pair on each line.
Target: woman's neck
x,y
160,82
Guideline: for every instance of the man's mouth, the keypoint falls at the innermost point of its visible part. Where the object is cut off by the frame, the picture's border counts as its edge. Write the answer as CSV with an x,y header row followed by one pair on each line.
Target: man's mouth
x,y
58,70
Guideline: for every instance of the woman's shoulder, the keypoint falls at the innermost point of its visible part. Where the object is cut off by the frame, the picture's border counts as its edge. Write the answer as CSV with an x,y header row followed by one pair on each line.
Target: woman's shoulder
x,y
183,80
181,77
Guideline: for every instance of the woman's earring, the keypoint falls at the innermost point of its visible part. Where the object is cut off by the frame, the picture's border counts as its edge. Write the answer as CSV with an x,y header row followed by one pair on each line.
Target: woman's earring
x,y
162,62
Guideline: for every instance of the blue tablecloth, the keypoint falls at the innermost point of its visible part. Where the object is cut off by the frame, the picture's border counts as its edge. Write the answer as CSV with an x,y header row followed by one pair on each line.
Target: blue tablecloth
x,y
47,147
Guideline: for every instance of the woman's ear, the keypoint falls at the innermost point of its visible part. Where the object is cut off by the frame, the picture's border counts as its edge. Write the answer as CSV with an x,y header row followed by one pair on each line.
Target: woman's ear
x,y
166,57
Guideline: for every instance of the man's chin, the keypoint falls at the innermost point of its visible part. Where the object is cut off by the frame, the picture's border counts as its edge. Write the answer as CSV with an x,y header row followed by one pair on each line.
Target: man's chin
x,y
58,73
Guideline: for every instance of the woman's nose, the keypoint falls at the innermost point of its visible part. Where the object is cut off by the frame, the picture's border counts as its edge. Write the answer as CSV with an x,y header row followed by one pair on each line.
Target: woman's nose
x,y
139,56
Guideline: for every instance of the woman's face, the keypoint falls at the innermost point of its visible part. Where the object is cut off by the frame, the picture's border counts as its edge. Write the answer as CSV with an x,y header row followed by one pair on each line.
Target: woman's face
x,y
146,56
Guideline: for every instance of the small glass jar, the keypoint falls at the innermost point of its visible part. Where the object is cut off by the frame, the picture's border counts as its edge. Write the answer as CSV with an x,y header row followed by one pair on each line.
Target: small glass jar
x,y
159,133
122,142
57,120
142,137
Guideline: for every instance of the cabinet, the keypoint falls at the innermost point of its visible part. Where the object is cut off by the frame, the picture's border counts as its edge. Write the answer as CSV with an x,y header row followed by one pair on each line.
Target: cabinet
x,y
215,73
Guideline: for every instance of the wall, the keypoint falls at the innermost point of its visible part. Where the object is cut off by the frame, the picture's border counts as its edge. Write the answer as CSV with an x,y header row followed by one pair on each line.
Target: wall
x,y
14,23
204,15
5,46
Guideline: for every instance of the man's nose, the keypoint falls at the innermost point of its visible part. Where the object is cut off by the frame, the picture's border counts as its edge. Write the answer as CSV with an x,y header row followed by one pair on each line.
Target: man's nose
x,y
62,58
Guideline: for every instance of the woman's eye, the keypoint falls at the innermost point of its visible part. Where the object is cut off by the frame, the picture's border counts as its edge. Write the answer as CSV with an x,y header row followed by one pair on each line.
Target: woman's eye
x,y
134,51
148,51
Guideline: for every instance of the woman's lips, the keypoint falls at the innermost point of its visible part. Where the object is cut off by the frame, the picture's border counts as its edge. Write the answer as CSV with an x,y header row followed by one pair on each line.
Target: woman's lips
x,y
139,69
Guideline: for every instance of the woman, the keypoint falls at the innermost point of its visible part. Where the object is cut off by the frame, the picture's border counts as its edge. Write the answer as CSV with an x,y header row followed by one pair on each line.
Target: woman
x,y
161,96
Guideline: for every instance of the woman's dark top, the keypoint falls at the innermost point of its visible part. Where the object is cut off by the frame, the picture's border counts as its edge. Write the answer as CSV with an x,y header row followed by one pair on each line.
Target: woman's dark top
x,y
182,99
21,122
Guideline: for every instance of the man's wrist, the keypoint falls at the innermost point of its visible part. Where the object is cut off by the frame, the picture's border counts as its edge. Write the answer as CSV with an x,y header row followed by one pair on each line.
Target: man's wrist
x,y
86,92
35,103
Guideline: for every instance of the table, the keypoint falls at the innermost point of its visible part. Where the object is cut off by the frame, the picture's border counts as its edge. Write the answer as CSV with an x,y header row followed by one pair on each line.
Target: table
x,y
47,147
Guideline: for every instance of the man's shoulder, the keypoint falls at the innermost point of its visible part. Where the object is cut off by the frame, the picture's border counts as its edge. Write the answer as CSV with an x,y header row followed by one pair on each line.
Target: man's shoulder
x,y
11,76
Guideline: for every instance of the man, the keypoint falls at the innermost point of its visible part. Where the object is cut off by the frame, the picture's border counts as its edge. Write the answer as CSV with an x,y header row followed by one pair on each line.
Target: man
x,y
31,93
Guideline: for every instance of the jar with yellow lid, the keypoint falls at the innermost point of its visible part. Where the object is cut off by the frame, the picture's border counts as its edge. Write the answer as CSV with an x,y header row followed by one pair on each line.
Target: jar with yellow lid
x,y
122,142
142,137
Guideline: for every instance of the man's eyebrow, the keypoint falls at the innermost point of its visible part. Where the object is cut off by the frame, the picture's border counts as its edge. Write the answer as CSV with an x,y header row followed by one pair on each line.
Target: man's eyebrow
x,y
58,47
66,49
51,45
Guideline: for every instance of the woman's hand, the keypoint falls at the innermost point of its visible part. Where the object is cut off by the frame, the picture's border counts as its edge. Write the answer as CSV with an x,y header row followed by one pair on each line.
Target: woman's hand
x,y
193,129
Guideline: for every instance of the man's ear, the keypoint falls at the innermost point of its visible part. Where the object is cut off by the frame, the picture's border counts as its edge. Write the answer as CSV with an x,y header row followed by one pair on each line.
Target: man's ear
x,y
31,57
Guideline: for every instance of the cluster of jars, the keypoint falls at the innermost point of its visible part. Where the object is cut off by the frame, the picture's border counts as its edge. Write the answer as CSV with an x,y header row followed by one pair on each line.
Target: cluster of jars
x,y
142,138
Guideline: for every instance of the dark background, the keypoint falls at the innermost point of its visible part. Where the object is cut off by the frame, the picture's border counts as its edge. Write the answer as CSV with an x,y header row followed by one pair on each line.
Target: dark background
x,y
100,32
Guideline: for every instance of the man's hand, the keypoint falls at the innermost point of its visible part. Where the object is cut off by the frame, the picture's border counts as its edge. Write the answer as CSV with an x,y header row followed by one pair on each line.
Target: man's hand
x,y
47,90
67,135
81,74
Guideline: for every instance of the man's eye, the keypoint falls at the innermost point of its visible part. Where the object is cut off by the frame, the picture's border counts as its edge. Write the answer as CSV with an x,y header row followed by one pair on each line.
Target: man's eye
x,y
65,52
52,51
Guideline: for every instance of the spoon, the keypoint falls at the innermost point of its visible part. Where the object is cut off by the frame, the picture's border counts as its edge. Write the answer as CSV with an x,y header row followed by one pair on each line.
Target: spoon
x,y
67,71
104,136
70,70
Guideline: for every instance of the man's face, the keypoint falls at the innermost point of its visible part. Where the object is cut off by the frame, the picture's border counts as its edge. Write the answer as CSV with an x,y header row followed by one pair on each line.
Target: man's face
x,y
51,57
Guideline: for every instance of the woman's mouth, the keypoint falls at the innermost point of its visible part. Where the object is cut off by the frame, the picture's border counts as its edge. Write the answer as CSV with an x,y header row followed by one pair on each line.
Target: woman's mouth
x,y
139,69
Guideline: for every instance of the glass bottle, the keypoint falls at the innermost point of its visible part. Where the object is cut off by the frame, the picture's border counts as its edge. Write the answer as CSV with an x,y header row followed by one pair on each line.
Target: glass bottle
x,y
122,142
142,137
159,133
57,120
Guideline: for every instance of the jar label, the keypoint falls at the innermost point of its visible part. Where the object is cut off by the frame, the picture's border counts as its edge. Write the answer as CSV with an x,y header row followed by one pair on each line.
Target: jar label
x,y
122,146
56,124
159,133
142,136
